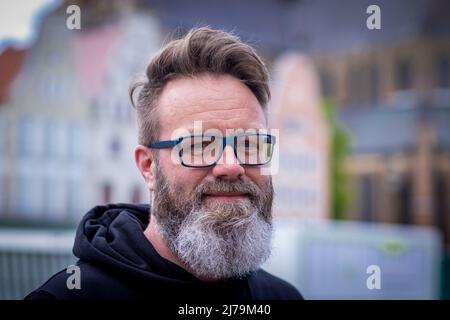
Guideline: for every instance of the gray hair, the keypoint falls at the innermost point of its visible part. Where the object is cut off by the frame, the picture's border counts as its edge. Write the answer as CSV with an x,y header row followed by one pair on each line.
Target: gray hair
x,y
202,50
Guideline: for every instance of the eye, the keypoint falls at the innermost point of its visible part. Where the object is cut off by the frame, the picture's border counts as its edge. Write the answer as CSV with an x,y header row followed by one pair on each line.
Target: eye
x,y
200,145
206,143
250,144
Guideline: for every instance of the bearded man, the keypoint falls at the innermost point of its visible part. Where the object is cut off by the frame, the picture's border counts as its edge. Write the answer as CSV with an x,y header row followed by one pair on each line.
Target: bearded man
x,y
203,147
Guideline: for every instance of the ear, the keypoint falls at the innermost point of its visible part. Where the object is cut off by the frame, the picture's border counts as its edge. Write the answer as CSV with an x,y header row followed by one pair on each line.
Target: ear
x,y
147,166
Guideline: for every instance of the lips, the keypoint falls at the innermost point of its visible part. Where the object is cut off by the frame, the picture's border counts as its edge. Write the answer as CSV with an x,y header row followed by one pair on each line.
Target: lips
x,y
227,195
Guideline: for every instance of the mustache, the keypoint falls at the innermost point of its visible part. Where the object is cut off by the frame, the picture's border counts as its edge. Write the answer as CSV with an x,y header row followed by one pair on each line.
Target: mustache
x,y
247,187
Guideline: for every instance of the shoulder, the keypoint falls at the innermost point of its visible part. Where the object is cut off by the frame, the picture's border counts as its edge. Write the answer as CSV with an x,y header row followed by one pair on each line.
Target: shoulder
x,y
267,286
94,283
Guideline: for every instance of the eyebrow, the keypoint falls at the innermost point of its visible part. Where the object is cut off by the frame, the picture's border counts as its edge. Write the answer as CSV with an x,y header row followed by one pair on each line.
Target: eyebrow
x,y
191,129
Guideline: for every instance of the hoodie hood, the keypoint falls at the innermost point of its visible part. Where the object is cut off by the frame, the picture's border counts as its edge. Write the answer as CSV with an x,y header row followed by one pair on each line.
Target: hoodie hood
x,y
112,237
118,262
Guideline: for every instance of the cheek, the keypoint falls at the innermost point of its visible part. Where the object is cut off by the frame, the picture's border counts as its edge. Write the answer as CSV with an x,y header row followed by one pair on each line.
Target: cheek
x,y
180,177
254,174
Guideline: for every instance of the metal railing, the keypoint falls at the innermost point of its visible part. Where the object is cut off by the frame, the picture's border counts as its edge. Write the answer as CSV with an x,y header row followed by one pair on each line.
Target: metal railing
x,y
29,257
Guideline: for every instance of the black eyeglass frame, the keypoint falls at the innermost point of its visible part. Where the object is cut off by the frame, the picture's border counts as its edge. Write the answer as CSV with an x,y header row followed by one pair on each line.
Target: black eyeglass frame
x,y
229,140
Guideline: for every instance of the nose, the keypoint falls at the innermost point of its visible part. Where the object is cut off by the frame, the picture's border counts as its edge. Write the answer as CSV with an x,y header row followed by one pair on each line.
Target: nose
x,y
228,166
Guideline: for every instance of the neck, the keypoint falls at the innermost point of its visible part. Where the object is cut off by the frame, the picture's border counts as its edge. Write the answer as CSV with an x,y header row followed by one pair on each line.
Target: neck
x,y
158,242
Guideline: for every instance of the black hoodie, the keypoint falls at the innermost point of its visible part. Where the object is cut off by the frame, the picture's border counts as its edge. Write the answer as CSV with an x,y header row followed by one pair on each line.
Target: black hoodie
x,y
117,261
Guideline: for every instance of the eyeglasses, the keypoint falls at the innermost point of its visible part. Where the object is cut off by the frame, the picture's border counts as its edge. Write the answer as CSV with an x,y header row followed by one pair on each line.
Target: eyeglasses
x,y
202,151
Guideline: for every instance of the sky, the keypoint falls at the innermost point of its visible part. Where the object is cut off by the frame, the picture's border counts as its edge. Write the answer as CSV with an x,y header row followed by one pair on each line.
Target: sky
x,y
20,20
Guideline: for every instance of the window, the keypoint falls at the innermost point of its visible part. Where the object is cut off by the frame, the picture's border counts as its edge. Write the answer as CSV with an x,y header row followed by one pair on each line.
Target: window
x,y
136,195
366,197
51,139
374,84
52,88
115,147
73,199
356,87
47,195
23,194
442,73
4,192
75,143
26,136
54,196
404,75
106,193
29,195
405,200
442,203
3,134
327,84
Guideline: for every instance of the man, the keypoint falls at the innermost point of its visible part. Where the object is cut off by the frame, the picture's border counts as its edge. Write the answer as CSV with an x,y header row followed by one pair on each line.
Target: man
x,y
202,149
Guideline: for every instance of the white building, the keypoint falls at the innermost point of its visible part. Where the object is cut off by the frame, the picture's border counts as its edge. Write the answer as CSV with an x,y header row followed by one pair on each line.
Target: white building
x,y
44,128
115,176
68,131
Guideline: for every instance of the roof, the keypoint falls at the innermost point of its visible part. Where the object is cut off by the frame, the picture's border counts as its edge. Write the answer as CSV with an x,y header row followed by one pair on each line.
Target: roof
x,y
387,130
313,26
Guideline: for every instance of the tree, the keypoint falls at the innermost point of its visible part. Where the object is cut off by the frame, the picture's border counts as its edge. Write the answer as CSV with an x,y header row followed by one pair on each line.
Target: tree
x,y
340,192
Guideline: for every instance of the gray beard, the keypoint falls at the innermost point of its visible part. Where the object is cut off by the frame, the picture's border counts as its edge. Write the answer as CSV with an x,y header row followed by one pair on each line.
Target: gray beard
x,y
215,240
222,251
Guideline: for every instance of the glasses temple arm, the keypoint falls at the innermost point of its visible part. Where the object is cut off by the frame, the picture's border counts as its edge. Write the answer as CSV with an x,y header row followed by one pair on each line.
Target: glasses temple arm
x,y
164,144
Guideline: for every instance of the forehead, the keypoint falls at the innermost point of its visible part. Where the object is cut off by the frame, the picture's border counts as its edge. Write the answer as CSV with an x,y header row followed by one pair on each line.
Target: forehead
x,y
218,102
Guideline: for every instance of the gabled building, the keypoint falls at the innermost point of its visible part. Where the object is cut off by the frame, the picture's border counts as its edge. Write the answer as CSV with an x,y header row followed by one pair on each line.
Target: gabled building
x,y
115,176
68,128
45,159
392,87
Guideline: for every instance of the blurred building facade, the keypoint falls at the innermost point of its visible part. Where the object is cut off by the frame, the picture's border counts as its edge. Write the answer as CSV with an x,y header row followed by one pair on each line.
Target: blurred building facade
x,y
302,179
45,125
115,131
395,101
392,87
67,126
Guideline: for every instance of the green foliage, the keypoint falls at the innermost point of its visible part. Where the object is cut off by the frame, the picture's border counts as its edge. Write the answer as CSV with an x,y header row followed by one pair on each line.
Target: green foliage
x,y
340,195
